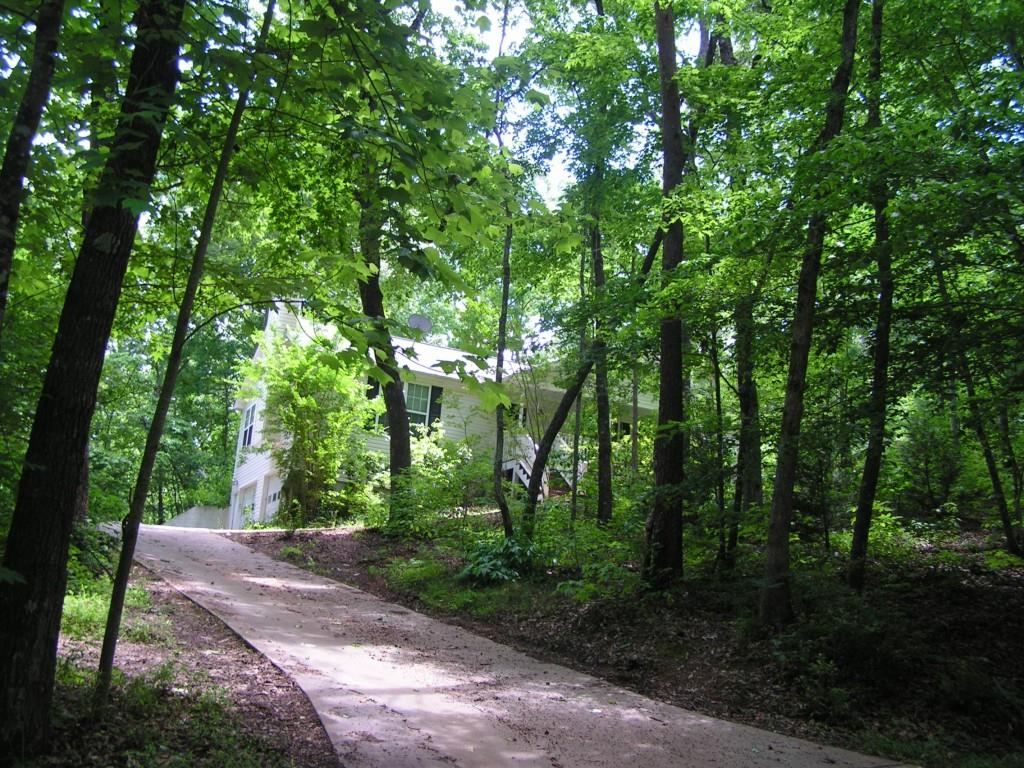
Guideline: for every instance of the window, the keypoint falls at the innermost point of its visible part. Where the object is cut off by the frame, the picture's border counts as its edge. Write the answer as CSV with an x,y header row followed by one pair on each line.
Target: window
x,y
422,402
248,425
417,401
517,414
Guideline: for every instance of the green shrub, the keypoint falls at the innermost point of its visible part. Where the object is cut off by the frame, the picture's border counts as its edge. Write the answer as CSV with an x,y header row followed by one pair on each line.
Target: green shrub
x,y
85,615
601,581
1000,559
497,560
444,478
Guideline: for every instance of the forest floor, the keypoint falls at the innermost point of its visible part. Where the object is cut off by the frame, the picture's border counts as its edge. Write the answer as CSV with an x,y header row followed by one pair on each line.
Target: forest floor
x,y
187,693
925,667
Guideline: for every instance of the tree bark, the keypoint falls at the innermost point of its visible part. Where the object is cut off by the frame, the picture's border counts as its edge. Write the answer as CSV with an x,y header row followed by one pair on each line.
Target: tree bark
x,y
400,451
1012,544
977,419
883,323
499,440
600,351
546,442
749,488
663,555
130,524
37,546
565,405
775,603
1013,466
716,388
19,143
578,424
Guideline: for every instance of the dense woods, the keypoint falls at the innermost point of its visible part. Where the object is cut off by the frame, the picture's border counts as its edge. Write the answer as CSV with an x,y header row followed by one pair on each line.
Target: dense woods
x,y
798,225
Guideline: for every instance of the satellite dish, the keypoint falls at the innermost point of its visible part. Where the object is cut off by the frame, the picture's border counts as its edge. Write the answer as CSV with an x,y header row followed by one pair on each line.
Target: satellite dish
x,y
420,323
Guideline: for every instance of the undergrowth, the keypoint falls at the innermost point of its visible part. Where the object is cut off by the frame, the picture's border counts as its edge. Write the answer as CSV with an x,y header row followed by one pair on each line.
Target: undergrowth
x,y
163,719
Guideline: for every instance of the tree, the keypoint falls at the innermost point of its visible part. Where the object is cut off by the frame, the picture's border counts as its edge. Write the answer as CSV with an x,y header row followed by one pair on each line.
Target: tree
x,y
879,381
37,545
775,604
130,524
663,558
23,132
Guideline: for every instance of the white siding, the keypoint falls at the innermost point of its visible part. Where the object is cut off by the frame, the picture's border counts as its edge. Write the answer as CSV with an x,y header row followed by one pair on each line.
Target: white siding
x,y
256,478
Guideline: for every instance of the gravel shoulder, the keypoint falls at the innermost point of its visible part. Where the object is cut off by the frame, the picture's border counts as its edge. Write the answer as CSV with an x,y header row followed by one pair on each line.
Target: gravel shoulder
x,y
192,652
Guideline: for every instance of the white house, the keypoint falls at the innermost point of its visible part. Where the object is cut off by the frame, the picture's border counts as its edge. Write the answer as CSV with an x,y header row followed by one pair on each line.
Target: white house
x,y
432,395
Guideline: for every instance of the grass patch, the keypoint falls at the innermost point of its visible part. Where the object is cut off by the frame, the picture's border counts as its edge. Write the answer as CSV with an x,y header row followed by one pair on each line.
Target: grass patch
x,y
938,751
85,612
161,719
438,586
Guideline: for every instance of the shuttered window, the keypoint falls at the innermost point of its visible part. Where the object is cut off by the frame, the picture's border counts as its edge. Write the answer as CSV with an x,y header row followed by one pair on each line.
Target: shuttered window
x,y
248,425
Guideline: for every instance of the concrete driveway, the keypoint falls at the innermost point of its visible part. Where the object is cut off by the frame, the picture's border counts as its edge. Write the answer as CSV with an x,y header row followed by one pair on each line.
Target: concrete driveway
x,y
395,688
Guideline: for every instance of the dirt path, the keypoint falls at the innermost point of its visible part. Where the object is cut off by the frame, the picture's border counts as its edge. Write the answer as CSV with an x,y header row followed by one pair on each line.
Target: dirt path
x,y
395,688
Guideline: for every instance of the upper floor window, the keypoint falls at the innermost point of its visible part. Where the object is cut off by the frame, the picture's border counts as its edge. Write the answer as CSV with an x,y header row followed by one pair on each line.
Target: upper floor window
x,y
248,425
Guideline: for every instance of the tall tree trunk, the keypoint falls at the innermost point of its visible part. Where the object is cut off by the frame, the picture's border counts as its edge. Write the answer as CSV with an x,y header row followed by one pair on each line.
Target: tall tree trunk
x,y
577,430
400,451
604,432
749,488
634,425
1013,466
23,131
131,522
547,441
663,555
879,381
499,440
600,351
977,418
775,604
716,388
565,405
37,546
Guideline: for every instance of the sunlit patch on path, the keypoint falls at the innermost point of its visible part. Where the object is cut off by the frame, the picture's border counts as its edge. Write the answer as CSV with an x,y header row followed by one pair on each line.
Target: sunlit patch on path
x,y
395,688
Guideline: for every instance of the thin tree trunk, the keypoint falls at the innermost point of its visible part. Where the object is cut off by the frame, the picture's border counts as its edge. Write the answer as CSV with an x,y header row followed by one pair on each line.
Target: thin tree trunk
x,y
546,443
663,555
1010,458
499,440
1012,544
716,386
130,524
37,545
775,604
23,131
879,381
977,418
578,425
1010,461
400,451
634,426
565,405
749,484
604,432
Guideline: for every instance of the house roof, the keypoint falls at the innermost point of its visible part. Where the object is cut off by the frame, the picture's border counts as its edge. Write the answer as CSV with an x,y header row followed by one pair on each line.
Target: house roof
x,y
427,359
437,360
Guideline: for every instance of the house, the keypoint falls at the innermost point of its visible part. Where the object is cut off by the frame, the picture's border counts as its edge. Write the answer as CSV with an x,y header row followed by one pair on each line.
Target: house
x,y
434,394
